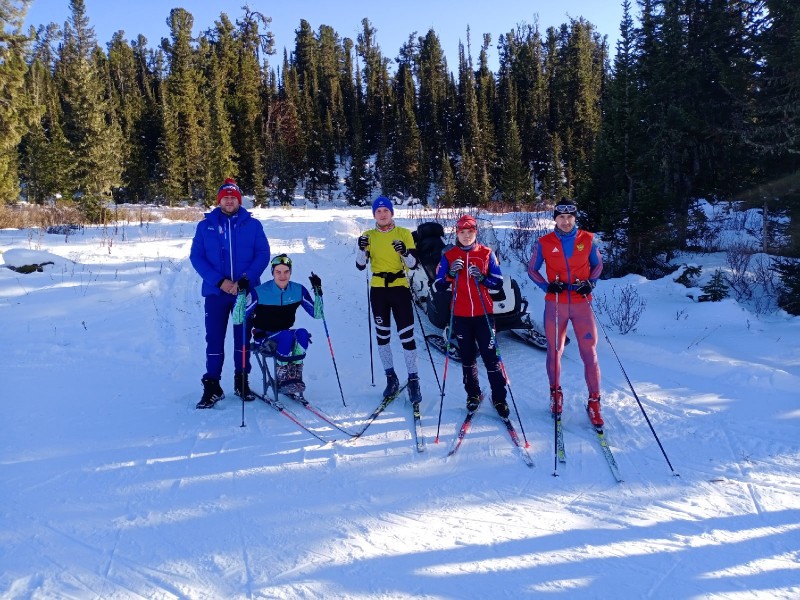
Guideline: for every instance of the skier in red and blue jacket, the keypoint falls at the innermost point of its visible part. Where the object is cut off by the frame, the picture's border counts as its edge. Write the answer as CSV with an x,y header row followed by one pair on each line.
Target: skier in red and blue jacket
x,y
472,270
573,265
229,249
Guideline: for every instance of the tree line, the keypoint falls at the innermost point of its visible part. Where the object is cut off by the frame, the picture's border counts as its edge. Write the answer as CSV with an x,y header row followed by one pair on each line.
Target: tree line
x,y
700,99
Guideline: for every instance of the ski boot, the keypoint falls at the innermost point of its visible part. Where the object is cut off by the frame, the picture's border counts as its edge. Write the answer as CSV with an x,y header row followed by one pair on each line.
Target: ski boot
x,y
414,393
392,384
501,406
593,408
473,402
556,402
212,393
290,379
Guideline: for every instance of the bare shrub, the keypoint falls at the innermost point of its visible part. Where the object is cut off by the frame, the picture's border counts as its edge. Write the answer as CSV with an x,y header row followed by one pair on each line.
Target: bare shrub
x,y
520,238
186,213
738,257
33,215
624,309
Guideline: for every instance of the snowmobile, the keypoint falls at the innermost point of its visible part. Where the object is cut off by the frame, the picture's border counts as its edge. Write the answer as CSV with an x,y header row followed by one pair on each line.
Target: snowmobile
x,y
509,307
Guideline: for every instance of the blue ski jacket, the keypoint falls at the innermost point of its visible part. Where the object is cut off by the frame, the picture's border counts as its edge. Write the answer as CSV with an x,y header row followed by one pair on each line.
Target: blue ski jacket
x,y
228,247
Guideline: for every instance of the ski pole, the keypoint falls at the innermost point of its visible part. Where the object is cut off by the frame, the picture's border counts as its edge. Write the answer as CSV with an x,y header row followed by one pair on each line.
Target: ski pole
x,y
419,320
500,359
240,315
330,345
630,385
555,417
447,354
369,323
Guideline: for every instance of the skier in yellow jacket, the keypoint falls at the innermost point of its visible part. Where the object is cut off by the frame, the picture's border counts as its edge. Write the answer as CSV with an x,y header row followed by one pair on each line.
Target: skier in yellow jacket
x,y
391,250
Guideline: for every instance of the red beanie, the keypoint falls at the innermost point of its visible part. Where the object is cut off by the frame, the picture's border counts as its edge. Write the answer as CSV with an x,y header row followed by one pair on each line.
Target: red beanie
x,y
229,188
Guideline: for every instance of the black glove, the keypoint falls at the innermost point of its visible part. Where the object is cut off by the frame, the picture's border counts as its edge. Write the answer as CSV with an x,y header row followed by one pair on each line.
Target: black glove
x,y
363,242
584,288
475,272
456,266
400,247
243,283
555,287
316,283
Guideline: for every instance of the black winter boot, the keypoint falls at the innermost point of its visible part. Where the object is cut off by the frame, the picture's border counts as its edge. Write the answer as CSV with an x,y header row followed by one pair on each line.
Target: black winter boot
x,y
241,388
392,384
212,393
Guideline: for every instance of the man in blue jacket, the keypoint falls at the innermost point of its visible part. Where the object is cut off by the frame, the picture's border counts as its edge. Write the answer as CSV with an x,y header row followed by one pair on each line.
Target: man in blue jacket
x,y
229,250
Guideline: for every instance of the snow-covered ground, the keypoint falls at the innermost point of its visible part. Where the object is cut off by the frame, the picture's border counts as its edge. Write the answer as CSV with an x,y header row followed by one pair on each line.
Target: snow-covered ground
x,y
112,484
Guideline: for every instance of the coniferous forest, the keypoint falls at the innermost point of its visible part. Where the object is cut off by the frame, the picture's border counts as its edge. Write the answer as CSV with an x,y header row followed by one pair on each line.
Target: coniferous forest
x,y
700,99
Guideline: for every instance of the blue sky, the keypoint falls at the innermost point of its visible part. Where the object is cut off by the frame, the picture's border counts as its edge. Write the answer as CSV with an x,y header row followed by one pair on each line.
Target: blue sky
x,y
394,21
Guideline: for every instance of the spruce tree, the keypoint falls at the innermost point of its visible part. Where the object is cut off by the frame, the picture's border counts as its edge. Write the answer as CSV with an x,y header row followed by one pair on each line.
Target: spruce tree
x,y
717,288
15,111
358,182
184,108
774,132
515,179
432,78
407,146
90,122
446,184
44,151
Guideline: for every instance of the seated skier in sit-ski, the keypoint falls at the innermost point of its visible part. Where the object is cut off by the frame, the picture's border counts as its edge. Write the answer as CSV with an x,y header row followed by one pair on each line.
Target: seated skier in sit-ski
x,y
271,308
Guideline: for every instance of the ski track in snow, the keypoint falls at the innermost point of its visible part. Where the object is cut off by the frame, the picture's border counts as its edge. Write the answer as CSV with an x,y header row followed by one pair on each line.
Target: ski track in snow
x,y
114,486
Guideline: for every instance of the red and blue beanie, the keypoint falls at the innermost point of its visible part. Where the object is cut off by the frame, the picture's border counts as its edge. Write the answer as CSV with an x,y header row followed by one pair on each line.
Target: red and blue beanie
x,y
229,188
382,202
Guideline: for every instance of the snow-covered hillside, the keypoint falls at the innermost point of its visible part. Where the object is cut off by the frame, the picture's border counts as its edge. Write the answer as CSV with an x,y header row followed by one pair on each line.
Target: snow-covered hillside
x,y
112,484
